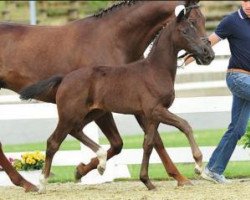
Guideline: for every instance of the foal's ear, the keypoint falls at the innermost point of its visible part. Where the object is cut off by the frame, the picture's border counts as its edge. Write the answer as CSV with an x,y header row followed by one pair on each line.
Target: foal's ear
x,y
180,12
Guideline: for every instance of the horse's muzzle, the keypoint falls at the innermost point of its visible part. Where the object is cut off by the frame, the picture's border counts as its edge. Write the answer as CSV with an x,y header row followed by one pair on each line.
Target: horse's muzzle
x,y
205,55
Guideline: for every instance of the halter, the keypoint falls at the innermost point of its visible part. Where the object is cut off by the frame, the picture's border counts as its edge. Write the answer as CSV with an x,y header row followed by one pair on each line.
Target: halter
x,y
189,8
204,39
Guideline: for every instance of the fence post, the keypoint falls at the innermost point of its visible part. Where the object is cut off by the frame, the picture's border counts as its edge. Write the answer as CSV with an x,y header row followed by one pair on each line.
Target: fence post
x,y
42,6
73,13
6,13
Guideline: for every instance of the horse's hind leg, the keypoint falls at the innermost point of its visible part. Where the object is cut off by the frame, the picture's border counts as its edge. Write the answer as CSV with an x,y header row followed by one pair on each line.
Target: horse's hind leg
x,y
166,117
166,160
15,177
107,125
100,152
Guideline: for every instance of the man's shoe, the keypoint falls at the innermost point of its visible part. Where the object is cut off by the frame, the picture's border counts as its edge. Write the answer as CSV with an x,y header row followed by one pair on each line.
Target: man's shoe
x,y
214,177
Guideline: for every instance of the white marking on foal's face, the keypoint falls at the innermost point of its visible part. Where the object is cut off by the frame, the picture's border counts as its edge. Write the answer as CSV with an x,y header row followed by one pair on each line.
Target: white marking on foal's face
x,y
179,9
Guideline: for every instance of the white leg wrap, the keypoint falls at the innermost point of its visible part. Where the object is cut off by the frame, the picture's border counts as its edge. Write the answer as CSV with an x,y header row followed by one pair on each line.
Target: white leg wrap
x,y
198,169
43,182
102,157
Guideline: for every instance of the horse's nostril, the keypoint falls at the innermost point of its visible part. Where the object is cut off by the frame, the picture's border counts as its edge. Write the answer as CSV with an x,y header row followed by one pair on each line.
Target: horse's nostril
x,y
205,50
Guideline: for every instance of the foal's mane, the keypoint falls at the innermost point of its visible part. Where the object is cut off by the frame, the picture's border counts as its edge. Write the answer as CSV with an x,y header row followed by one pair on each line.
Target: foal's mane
x,y
115,7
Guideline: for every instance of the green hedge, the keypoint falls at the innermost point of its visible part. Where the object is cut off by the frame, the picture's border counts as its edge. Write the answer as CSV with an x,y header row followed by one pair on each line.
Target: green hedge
x,y
246,137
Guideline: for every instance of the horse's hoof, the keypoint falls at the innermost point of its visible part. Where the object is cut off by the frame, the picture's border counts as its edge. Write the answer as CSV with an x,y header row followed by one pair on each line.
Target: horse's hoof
x,y
31,188
102,157
197,169
78,176
78,172
43,182
150,186
42,190
101,169
185,183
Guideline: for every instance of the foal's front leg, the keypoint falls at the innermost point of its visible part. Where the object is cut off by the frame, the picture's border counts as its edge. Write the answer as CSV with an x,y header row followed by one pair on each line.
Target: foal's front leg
x,y
15,177
166,160
163,115
148,144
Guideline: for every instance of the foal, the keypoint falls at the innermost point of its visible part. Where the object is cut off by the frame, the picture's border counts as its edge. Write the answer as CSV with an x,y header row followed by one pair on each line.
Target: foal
x,y
144,88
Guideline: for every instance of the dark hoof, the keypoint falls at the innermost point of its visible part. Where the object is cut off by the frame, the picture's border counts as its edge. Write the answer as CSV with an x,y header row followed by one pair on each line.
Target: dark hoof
x,y
78,177
151,187
78,172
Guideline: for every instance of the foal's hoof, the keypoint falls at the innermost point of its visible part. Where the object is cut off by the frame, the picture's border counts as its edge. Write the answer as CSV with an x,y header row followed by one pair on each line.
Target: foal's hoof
x,y
150,186
198,169
31,188
101,169
185,183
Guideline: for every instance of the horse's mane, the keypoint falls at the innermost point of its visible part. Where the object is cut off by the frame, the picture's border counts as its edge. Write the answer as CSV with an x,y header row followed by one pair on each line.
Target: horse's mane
x,y
114,7
120,4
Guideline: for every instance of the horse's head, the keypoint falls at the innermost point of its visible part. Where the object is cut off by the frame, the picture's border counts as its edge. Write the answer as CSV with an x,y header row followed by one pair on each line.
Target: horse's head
x,y
186,36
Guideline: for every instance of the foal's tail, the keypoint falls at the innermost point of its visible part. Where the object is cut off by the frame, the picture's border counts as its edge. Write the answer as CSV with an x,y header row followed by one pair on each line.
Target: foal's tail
x,y
40,89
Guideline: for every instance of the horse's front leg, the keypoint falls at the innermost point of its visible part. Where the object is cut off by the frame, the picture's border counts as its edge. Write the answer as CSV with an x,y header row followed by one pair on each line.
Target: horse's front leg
x,y
53,144
166,160
148,144
15,177
107,124
168,163
166,117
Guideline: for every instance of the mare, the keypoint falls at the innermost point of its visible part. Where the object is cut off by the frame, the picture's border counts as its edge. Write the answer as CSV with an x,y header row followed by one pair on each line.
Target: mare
x,y
144,88
32,53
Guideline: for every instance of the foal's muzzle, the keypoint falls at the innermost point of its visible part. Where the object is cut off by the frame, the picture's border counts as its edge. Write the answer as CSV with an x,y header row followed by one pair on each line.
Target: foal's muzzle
x,y
205,53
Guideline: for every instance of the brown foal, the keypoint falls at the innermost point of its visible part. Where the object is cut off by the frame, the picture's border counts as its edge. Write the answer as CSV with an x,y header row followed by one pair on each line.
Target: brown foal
x,y
144,88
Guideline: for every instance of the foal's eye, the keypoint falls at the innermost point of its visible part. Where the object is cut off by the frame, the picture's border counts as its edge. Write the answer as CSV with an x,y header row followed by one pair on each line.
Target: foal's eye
x,y
184,31
193,22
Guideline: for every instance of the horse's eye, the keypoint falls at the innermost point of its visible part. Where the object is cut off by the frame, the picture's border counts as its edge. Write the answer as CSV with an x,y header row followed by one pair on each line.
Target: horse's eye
x,y
184,31
193,22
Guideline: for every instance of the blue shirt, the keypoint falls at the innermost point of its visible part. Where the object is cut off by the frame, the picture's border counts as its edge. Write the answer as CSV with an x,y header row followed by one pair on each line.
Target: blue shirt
x,y
236,28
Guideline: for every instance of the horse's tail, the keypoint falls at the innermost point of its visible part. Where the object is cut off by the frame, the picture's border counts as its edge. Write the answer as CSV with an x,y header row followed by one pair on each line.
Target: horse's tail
x,y
40,89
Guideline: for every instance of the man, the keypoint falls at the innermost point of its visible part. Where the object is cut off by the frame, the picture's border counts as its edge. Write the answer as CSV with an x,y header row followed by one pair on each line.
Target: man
x,y
236,29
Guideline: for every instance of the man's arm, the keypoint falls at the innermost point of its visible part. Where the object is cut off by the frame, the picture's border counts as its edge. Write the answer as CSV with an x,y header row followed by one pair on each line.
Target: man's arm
x,y
213,38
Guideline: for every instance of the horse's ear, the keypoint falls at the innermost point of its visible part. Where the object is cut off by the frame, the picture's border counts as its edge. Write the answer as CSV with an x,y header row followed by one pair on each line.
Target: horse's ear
x,y
180,12
192,2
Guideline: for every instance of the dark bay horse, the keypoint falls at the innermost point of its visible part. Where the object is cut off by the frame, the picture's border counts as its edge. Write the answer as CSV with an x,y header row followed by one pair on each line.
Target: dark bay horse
x,y
143,88
119,35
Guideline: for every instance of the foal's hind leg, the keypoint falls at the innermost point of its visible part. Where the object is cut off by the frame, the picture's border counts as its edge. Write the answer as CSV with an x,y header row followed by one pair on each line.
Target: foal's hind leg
x,y
107,125
166,160
101,153
166,117
148,144
15,177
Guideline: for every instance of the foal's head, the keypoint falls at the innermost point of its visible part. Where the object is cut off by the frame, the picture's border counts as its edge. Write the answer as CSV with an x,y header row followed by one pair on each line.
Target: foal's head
x,y
187,37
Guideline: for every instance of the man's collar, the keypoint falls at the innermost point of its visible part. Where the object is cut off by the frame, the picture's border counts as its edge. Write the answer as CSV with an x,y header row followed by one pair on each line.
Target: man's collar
x,y
242,14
